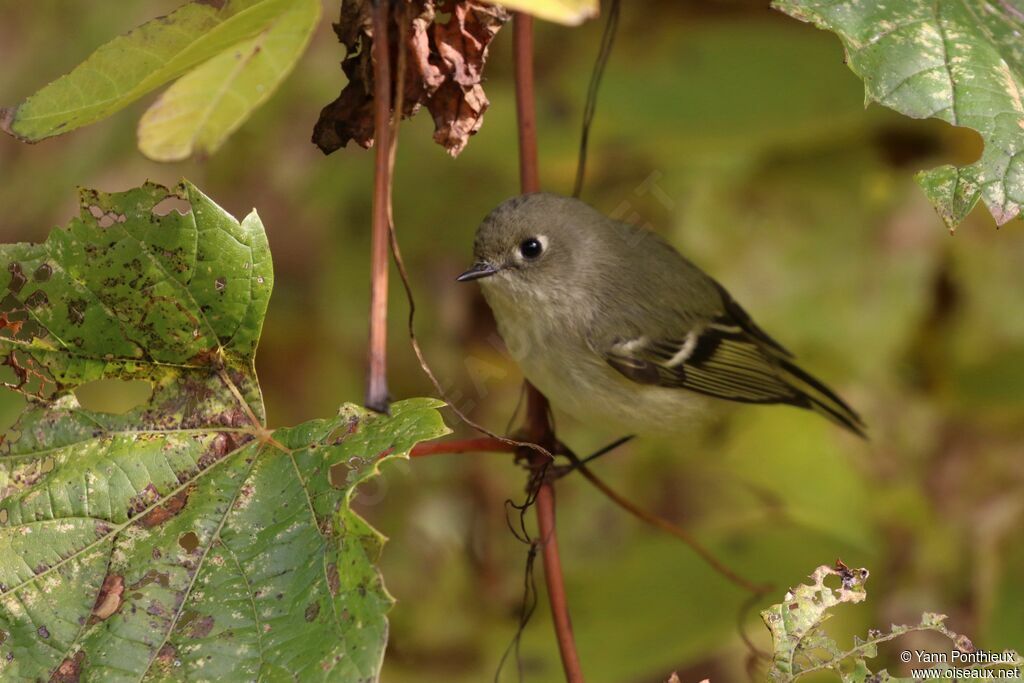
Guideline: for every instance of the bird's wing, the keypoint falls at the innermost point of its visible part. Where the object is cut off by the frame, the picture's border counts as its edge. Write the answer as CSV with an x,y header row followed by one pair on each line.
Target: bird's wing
x,y
726,356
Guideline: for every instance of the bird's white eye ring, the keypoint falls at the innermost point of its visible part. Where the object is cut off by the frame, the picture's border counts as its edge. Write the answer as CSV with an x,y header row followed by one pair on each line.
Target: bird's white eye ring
x,y
532,247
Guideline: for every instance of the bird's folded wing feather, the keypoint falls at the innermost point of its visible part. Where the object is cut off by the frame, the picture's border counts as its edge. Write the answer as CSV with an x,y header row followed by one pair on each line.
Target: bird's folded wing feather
x,y
726,356
718,359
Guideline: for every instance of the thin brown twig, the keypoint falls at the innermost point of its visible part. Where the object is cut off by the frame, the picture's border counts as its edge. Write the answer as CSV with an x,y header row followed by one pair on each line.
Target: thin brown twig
x,y
675,530
506,444
611,27
488,445
538,423
396,252
376,353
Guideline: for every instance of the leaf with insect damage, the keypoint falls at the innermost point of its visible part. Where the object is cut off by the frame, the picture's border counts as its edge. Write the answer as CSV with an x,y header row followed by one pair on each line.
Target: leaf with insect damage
x,y
796,623
231,55
180,539
801,646
961,62
444,64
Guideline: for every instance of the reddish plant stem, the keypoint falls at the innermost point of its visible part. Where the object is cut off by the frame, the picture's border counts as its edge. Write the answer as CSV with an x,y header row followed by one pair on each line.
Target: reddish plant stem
x,y
545,504
484,444
376,355
538,424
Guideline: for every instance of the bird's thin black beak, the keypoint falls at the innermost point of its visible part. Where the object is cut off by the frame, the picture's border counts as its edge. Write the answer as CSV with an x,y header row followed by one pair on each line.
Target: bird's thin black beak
x,y
477,271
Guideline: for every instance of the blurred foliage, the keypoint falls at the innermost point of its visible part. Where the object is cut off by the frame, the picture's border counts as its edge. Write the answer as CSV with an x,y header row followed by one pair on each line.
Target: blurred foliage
x,y
740,135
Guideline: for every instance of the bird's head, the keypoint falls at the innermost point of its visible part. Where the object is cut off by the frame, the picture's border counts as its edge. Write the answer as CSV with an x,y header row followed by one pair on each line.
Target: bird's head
x,y
536,246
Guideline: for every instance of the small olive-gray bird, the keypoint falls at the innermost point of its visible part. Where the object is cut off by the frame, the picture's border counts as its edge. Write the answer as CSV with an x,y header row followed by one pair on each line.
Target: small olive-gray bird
x,y
614,326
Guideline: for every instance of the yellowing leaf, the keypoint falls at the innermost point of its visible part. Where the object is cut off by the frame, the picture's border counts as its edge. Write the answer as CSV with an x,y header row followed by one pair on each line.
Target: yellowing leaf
x,y
570,12
205,106
131,65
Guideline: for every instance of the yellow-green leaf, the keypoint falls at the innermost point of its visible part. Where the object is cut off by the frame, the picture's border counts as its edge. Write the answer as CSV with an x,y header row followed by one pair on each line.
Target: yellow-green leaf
x,y
562,11
205,106
138,62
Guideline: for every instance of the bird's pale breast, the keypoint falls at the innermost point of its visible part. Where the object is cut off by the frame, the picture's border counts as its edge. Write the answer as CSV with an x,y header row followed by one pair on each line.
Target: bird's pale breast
x,y
556,357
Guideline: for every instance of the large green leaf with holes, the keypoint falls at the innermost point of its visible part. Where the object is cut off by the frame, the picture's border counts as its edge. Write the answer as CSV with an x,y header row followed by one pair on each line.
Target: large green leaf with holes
x,y
961,62
235,51
182,539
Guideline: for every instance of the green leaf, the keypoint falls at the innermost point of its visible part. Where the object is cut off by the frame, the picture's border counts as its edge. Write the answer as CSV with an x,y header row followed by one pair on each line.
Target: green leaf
x,y
181,539
139,61
205,106
961,62
572,12
801,646
795,623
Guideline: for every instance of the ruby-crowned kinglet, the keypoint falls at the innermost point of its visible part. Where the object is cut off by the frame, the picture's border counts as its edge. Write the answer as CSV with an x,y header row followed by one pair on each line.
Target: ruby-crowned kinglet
x,y
612,324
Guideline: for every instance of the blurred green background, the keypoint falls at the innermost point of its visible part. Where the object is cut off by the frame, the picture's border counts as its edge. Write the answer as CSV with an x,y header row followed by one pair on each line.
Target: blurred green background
x,y
741,136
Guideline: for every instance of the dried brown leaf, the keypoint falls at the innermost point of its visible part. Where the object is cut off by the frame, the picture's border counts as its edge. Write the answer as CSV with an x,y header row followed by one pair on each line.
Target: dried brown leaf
x,y
444,70
462,41
458,113
423,72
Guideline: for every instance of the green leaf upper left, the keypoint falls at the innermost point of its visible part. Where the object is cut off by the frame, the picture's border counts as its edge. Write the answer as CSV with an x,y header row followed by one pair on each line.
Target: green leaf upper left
x,y
180,540
231,56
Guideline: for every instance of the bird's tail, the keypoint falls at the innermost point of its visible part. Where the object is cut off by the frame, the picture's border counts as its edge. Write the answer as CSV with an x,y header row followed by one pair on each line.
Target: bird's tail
x,y
816,396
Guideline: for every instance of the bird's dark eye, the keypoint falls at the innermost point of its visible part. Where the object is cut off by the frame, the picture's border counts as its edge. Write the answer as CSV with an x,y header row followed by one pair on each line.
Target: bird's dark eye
x,y
530,248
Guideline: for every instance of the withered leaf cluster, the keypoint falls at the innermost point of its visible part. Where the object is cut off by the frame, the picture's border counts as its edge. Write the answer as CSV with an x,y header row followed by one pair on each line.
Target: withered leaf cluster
x,y
445,48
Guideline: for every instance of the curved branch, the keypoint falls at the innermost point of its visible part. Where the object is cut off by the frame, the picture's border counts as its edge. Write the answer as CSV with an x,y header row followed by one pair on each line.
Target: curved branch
x,y
677,531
